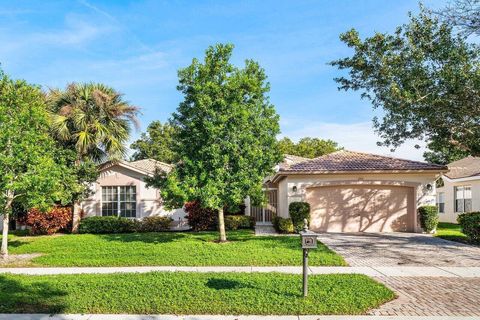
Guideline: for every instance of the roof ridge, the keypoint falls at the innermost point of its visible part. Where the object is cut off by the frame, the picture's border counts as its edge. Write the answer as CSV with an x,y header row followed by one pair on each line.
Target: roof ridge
x,y
394,158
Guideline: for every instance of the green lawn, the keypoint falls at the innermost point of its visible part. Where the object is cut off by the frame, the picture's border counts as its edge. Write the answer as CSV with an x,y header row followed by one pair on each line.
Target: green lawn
x,y
190,293
451,231
169,249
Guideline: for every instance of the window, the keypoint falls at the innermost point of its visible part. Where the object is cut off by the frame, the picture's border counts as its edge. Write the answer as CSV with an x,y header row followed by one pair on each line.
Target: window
x,y
441,202
119,201
463,199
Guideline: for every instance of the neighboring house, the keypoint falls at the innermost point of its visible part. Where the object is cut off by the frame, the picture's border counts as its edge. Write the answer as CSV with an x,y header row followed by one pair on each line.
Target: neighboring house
x,y
121,191
352,191
461,189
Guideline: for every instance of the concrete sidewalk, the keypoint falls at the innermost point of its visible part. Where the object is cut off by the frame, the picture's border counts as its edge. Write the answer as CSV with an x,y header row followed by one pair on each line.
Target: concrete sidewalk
x,y
397,271
208,317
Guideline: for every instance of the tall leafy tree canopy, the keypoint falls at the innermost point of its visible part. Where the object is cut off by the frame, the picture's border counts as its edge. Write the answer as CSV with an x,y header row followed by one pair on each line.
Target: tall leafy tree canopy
x,y
307,147
226,133
425,79
33,172
464,14
156,143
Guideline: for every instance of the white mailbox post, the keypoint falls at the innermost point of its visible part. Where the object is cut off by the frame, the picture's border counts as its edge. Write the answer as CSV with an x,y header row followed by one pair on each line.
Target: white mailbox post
x,y
309,241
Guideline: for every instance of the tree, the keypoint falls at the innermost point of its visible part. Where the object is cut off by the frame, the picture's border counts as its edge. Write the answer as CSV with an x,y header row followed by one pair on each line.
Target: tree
x,y
93,120
226,129
424,77
443,154
464,14
29,173
156,143
308,147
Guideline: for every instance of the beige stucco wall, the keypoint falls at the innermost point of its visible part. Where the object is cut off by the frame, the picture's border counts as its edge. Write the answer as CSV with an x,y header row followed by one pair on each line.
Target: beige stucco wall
x,y
418,181
148,199
448,189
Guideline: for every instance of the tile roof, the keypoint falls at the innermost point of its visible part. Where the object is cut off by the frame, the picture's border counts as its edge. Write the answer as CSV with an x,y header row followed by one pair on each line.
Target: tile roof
x,y
466,167
289,160
149,165
345,160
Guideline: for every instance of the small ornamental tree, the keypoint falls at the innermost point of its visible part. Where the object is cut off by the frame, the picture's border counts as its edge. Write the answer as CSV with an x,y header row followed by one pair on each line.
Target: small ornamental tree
x,y
29,173
225,129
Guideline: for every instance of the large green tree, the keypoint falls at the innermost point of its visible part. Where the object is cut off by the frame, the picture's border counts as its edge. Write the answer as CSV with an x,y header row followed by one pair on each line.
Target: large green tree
x,y
463,14
307,147
226,133
93,120
32,172
157,143
426,80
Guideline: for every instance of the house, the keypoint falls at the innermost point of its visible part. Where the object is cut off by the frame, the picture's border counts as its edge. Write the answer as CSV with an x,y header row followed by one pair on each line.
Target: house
x,y
352,191
461,189
121,191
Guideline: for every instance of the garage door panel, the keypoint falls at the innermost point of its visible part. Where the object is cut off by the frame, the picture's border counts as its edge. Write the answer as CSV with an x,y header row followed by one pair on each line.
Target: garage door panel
x,y
361,208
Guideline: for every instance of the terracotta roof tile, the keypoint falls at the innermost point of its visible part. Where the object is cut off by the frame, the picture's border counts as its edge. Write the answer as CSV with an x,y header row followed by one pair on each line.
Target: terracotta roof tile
x,y
357,161
149,165
466,167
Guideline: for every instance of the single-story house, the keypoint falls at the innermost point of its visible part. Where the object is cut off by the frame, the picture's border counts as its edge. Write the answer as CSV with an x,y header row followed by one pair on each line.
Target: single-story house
x,y
352,191
121,191
461,189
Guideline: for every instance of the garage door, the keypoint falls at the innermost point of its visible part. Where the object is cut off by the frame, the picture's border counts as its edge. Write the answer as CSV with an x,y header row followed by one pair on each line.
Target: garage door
x,y
361,208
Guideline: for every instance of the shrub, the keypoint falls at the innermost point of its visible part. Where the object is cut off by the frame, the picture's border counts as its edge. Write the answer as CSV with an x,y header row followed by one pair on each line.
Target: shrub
x,y
154,224
199,218
299,211
470,224
234,222
107,225
48,222
283,225
428,216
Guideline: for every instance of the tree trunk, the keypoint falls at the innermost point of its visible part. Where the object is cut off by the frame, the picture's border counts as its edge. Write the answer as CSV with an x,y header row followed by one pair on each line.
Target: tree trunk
x,y
4,250
6,220
221,226
76,216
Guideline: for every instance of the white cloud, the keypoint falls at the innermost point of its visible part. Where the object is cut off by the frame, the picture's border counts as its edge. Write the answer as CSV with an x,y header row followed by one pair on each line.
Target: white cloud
x,y
355,136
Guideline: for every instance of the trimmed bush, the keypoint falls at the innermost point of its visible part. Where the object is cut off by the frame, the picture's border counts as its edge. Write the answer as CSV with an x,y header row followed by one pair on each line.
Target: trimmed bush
x,y
201,219
234,222
428,216
299,211
470,224
48,222
283,225
154,224
107,225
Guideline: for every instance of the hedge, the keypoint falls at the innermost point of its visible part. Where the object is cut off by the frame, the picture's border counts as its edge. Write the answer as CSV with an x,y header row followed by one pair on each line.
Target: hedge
x,y
470,224
428,216
299,211
283,225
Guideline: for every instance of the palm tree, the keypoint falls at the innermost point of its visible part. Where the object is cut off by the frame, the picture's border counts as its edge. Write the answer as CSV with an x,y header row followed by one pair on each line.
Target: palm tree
x,y
94,120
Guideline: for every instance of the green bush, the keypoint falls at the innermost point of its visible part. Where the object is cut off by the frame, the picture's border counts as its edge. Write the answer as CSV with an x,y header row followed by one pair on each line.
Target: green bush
x,y
283,225
234,222
470,224
154,224
299,211
107,225
428,216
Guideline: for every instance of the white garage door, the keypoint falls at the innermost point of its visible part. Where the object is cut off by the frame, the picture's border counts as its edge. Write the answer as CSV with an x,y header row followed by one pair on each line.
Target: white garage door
x,y
361,208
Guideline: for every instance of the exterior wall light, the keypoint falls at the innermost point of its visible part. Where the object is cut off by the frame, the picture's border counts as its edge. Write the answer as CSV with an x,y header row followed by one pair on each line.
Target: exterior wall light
x,y
294,189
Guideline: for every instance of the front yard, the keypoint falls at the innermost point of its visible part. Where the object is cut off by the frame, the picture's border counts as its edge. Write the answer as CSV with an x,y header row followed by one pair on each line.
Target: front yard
x,y
190,293
451,231
168,249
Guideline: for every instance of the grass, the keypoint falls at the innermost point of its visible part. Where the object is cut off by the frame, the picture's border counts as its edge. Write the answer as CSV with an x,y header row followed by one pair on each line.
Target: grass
x,y
169,249
451,231
190,293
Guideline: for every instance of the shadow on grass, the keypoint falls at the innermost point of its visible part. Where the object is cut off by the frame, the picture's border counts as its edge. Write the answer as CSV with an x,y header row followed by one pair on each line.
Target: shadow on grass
x,y
150,237
228,284
36,297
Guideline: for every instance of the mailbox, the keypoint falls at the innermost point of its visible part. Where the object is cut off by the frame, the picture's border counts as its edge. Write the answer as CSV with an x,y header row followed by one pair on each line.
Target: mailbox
x,y
309,239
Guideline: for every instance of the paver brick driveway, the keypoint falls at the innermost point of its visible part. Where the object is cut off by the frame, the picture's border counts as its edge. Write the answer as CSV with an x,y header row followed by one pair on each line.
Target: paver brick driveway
x,y
395,249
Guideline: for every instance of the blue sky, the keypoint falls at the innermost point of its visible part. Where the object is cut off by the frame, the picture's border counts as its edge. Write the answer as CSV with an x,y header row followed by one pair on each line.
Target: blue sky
x,y
138,46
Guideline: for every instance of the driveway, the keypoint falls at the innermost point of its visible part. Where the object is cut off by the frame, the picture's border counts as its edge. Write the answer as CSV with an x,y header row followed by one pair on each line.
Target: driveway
x,y
394,249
